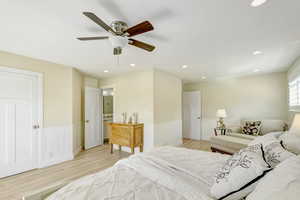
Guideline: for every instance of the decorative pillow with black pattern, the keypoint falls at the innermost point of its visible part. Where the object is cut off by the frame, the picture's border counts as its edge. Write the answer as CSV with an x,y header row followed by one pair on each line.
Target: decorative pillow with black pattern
x,y
275,152
239,176
252,128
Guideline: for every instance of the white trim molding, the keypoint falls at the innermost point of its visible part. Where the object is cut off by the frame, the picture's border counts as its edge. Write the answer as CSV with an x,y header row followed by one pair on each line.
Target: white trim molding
x,y
57,145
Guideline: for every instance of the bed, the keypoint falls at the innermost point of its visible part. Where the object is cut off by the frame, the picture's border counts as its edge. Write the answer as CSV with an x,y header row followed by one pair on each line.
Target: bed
x,y
168,173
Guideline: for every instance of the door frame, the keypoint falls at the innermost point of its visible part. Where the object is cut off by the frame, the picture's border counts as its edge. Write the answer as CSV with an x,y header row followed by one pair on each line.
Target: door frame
x,y
201,111
114,104
40,100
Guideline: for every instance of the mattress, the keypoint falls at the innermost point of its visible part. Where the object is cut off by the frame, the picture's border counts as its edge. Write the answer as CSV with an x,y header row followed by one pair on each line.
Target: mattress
x,y
167,173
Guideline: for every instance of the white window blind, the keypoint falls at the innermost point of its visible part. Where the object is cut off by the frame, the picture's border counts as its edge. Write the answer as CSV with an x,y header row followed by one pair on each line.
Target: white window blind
x,y
294,93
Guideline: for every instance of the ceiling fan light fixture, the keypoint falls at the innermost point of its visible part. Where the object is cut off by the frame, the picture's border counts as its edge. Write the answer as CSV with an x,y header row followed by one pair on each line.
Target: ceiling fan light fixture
x,y
105,71
121,34
256,3
118,41
132,65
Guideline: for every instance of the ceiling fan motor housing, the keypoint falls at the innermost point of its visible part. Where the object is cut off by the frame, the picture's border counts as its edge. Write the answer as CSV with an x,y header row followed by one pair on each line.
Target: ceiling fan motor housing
x,y
119,27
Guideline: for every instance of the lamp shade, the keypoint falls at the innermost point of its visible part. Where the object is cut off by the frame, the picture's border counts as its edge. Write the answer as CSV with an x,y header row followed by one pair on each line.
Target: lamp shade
x,y
221,113
295,128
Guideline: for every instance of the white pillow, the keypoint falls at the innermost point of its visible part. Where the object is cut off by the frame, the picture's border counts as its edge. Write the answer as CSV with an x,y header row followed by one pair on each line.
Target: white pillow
x,y
275,153
291,142
274,150
261,139
266,138
238,177
282,183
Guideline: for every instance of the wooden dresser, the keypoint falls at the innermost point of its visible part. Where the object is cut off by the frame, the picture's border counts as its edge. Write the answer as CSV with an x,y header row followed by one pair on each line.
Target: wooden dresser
x,y
129,135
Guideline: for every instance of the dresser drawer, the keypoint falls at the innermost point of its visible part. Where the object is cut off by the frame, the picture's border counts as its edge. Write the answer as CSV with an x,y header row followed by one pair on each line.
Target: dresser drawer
x,y
130,135
120,141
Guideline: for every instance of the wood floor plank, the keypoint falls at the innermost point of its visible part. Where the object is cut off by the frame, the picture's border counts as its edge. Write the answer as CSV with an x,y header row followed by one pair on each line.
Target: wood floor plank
x,y
87,162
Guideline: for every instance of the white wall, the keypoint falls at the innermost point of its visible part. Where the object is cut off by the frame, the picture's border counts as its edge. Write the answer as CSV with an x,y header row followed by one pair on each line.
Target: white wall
x,y
134,93
252,97
167,109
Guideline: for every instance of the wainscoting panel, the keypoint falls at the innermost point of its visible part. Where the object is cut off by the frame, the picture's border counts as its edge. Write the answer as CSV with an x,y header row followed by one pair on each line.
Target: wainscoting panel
x,y
56,145
77,140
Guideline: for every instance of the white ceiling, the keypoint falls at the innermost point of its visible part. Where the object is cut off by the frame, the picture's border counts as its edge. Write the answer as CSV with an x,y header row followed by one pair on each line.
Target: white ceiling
x,y
215,38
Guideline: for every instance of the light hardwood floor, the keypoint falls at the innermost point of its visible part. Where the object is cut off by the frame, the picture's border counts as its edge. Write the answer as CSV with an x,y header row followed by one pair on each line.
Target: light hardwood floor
x,y
87,162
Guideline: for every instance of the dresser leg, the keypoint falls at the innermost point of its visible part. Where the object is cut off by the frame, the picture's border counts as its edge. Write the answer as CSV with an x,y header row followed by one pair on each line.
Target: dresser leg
x,y
120,148
111,148
132,150
141,148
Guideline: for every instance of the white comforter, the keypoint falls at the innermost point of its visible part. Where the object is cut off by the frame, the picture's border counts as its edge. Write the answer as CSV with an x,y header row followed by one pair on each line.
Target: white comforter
x,y
167,173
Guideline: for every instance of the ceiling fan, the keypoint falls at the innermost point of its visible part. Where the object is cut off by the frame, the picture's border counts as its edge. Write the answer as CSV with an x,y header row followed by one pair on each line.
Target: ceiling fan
x,y
121,34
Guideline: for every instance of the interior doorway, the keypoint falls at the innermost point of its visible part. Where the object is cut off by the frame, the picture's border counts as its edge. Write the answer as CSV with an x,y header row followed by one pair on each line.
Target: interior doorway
x,y
93,127
108,110
192,115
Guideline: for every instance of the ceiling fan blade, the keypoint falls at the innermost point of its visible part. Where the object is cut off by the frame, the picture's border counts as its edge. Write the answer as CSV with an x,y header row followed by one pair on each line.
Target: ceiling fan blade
x,y
98,21
93,38
139,29
141,45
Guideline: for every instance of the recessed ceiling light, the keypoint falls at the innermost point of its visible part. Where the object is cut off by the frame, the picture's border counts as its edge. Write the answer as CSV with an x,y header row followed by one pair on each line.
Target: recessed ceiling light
x,y
105,71
257,53
184,66
256,70
203,77
256,3
132,65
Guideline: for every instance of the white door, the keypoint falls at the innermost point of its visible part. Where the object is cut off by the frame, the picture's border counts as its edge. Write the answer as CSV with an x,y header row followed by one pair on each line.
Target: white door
x,y
93,131
192,115
19,107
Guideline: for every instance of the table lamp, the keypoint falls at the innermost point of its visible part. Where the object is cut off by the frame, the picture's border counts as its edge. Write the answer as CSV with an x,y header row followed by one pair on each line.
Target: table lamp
x,y
295,128
221,114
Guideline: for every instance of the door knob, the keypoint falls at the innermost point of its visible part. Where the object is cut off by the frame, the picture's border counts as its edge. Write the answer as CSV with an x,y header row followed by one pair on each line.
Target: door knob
x,y
36,127
198,117
87,121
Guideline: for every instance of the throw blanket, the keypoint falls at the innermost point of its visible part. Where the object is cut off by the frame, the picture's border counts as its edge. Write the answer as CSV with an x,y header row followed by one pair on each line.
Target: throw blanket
x,y
167,173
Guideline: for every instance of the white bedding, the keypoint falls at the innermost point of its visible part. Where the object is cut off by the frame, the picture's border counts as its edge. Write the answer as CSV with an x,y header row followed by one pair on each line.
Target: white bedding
x,y
167,173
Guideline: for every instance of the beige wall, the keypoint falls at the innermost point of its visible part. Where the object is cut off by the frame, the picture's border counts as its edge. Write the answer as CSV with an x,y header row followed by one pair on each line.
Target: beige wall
x,y
77,120
167,109
90,82
156,96
134,93
253,97
57,86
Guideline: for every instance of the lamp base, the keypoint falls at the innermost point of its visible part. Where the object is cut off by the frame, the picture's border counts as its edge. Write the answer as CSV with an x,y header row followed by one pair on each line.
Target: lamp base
x,y
220,123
